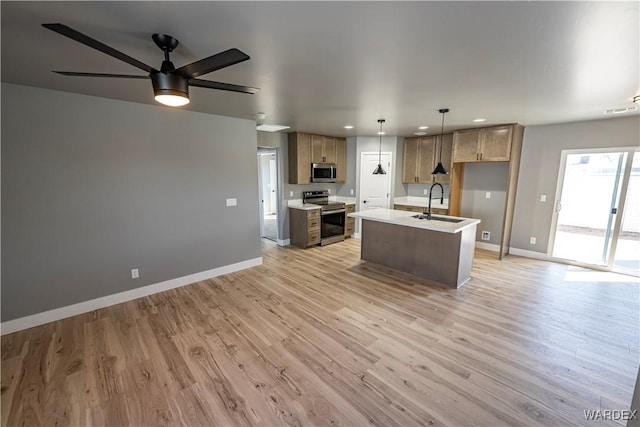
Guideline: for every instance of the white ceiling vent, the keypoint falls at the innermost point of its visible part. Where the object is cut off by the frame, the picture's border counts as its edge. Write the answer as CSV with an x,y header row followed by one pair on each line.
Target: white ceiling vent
x,y
620,110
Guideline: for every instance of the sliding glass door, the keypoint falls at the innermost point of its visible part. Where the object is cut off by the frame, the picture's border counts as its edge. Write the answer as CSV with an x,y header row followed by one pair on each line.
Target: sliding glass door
x,y
627,248
591,227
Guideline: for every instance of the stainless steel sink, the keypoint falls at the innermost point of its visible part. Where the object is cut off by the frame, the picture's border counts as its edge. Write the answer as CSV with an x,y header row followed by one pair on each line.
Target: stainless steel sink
x,y
437,218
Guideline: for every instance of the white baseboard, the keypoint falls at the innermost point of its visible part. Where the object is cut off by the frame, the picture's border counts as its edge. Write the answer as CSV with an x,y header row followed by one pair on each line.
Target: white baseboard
x,y
356,235
488,246
529,254
109,300
286,242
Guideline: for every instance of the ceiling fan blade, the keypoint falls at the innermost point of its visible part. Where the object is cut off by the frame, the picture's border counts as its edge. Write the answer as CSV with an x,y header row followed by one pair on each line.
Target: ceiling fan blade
x,y
86,40
119,76
222,86
212,63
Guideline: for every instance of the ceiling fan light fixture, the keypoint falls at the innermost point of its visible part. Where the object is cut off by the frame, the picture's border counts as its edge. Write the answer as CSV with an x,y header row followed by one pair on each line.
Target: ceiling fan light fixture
x,y
172,100
170,89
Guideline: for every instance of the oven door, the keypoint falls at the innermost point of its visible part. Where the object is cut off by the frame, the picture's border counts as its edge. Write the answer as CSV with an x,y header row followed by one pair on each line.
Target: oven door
x,y
332,226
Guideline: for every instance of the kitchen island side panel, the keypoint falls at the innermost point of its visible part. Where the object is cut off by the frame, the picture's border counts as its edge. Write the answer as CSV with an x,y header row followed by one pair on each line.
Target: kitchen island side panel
x,y
430,254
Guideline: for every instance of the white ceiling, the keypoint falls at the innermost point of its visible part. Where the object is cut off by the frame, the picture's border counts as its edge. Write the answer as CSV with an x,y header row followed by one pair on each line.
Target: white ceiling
x,y
322,65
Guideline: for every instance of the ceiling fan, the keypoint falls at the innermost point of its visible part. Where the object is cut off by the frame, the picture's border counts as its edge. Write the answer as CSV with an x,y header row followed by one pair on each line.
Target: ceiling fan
x,y
170,84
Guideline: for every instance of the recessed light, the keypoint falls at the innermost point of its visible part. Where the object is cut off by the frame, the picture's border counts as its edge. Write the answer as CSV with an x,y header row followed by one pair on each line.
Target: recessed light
x,y
420,133
479,120
423,127
620,110
271,128
380,133
348,127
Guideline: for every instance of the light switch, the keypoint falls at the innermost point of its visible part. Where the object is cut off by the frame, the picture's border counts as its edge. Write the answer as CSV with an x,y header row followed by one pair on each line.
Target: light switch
x,y
290,193
543,197
487,195
352,191
232,202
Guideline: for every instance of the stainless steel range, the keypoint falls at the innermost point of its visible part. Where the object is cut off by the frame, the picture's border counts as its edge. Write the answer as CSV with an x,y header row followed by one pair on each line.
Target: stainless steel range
x,y
332,215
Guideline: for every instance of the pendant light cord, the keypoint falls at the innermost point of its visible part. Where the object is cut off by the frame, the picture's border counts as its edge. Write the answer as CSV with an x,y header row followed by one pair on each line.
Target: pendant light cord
x,y
380,145
441,136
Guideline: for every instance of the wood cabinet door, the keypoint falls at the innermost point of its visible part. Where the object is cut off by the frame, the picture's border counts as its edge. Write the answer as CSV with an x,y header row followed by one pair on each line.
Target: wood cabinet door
x,y
410,160
446,144
426,157
495,144
341,160
466,146
317,142
329,150
299,158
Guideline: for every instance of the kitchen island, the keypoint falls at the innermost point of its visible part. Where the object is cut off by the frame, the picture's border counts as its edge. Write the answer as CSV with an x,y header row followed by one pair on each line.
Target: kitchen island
x,y
440,249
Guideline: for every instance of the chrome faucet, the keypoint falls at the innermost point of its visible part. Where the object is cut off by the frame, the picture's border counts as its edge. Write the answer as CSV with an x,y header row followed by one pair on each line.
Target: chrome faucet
x,y
428,212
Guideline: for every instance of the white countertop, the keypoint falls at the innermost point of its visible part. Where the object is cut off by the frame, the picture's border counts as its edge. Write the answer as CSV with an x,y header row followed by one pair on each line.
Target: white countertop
x,y
421,201
404,218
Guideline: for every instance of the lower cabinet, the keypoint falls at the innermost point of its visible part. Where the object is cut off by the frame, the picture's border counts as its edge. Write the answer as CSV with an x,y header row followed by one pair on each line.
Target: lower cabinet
x,y
304,227
350,223
411,208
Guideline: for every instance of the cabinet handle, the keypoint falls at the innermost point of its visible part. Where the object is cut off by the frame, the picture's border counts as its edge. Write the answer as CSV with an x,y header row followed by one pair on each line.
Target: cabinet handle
x,y
477,156
480,156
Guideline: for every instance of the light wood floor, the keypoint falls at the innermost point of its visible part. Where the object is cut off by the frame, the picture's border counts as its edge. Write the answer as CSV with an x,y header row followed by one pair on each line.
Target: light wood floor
x,y
317,337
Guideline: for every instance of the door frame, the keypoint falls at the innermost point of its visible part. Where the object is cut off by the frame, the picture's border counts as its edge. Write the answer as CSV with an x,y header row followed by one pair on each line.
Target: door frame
x,y
276,152
624,183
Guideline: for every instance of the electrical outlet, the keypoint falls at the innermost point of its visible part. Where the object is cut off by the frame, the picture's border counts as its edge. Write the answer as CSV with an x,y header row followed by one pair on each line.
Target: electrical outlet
x,y
134,273
487,195
352,191
532,240
426,192
543,197
329,190
486,235
232,202
290,193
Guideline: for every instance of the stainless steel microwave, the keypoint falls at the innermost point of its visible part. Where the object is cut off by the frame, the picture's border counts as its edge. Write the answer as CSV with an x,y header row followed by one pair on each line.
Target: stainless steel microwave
x,y
323,172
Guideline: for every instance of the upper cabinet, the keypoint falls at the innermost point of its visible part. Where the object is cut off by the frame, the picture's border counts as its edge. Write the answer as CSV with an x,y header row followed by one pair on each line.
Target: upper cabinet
x,y
483,145
323,149
420,157
299,158
341,159
305,149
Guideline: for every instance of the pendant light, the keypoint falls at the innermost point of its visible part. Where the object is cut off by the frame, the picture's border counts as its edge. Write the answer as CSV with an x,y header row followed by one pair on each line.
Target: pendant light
x,y
440,168
379,170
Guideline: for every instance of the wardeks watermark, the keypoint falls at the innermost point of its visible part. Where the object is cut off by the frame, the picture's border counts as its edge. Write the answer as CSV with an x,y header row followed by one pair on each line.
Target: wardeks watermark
x,y
610,414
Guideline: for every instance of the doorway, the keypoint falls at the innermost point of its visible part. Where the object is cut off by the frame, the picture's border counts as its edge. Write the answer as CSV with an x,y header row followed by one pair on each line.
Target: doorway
x,y
375,190
268,193
597,209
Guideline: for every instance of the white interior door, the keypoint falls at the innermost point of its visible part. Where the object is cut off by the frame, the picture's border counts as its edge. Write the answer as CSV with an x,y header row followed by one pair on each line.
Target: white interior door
x,y
273,180
375,190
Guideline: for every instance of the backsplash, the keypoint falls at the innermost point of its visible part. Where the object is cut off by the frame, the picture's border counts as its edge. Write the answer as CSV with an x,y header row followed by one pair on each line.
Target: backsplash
x,y
417,190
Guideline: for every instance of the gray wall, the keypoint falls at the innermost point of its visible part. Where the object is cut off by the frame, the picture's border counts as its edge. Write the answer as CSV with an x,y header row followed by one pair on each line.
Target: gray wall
x,y
93,187
480,178
540,165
